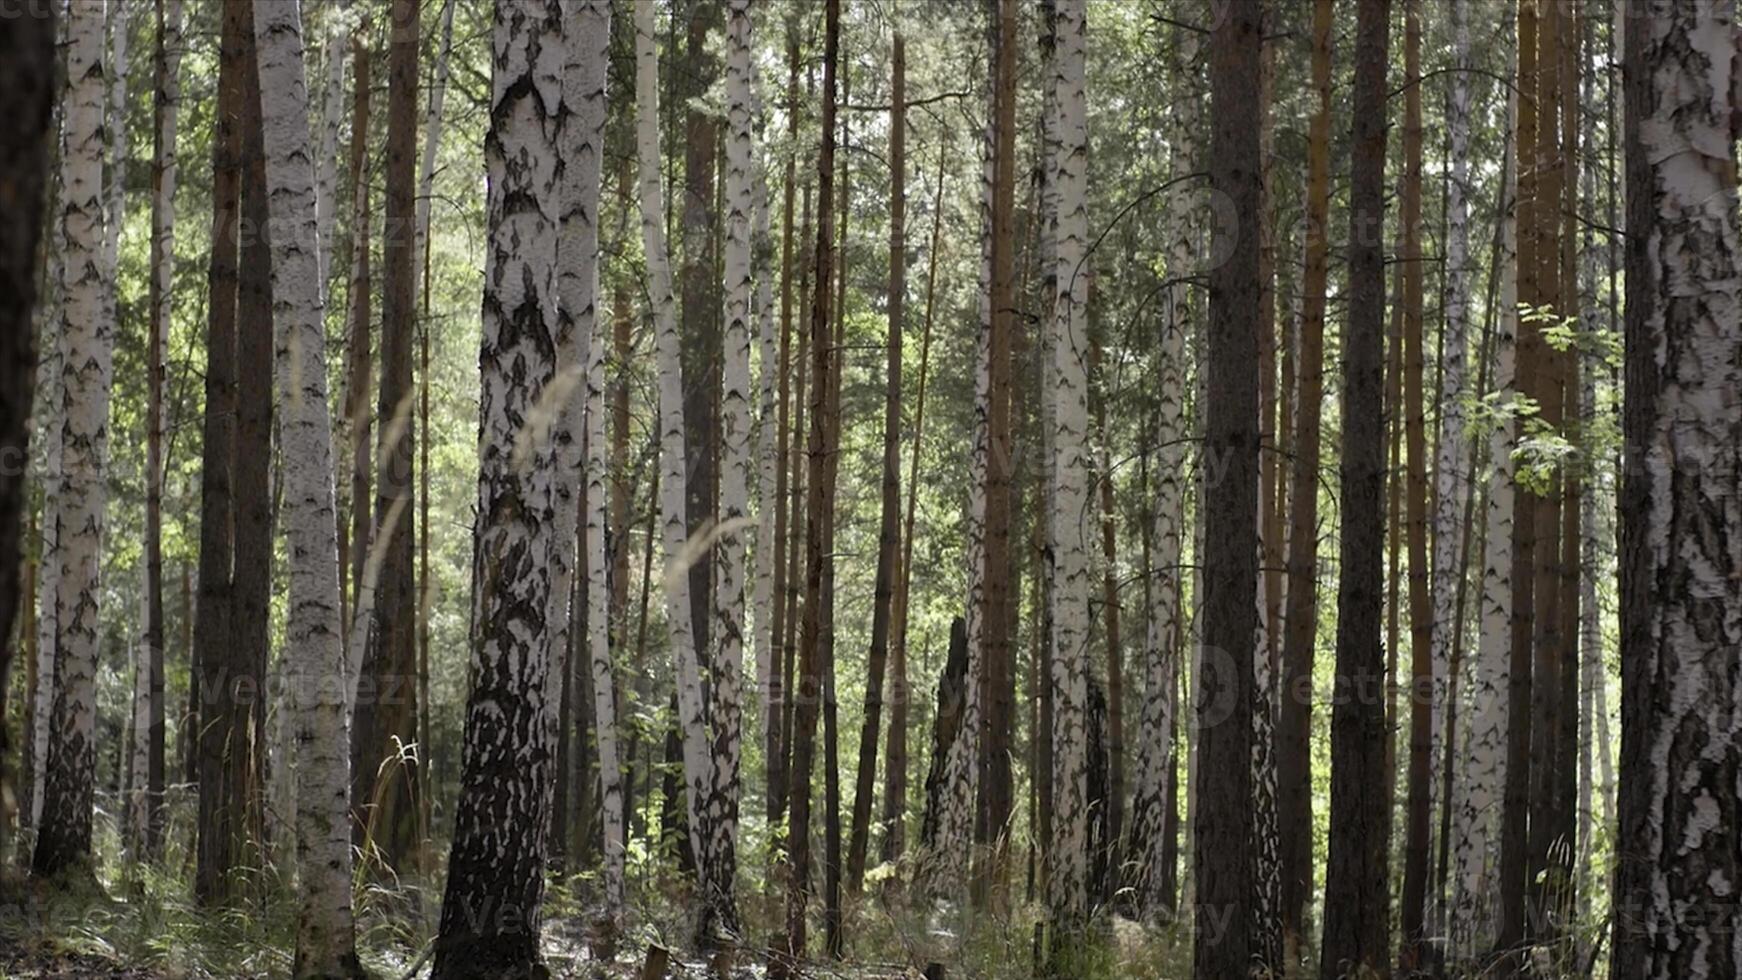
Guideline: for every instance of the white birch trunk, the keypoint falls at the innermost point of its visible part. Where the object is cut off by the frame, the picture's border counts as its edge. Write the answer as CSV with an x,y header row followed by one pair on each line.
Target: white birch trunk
x,y
678,551
1448,537
326,943
949,864
1477,809
1681,566
87,335
1067,852
497,863
590,23
735,474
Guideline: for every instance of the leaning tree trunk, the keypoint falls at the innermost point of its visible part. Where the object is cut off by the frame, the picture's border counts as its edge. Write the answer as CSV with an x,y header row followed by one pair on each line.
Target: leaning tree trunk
x,y
498,856
1357,897
727,656
1067,851
1681,565
27,67
673,460
326,941
63,841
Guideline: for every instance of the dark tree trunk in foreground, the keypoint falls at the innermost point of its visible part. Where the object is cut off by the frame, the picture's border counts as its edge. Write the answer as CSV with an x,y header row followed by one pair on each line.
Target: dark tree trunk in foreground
x,y
26,96
1223,834
1681,572
1357,890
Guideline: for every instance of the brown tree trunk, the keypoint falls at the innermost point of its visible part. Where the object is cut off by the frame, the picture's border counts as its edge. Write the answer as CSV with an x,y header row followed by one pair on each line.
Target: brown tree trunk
x,y
1416,844
700,308
1357,897
998,691
1225,821
819,505
384,781
354,541
208,690
889,537
774,750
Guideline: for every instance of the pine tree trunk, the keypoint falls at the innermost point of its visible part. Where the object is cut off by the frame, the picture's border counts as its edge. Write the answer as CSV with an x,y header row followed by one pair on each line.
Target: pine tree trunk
x,y
1067,871
1357,899
166,107
819,503
63,842
1300,618
209,694
326,943
1681,574
385,781
326,176
432,128
497,861
889,536
698,306
239,710
27,70
1418,843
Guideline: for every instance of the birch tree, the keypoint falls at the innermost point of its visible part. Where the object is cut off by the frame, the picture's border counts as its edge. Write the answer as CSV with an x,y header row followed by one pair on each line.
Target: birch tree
x,y
589,25
1475,845
692,713
326,942
735,477
498,857
1681,566
1067,872
63,840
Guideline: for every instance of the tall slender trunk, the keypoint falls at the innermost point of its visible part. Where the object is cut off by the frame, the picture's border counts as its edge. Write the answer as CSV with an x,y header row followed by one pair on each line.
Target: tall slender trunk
x,y
895,764
589,26
1418,843
326,174
819,503
1067,871
1476,809
212,626
497,861
889,535
326,942
359,371
1300,618
735,472
1449,471
63,841
27,67
384,779
1357,892
679,552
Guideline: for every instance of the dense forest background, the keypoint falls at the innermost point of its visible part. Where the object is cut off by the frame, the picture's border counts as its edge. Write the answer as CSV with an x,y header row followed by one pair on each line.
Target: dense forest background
x,y
645,643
